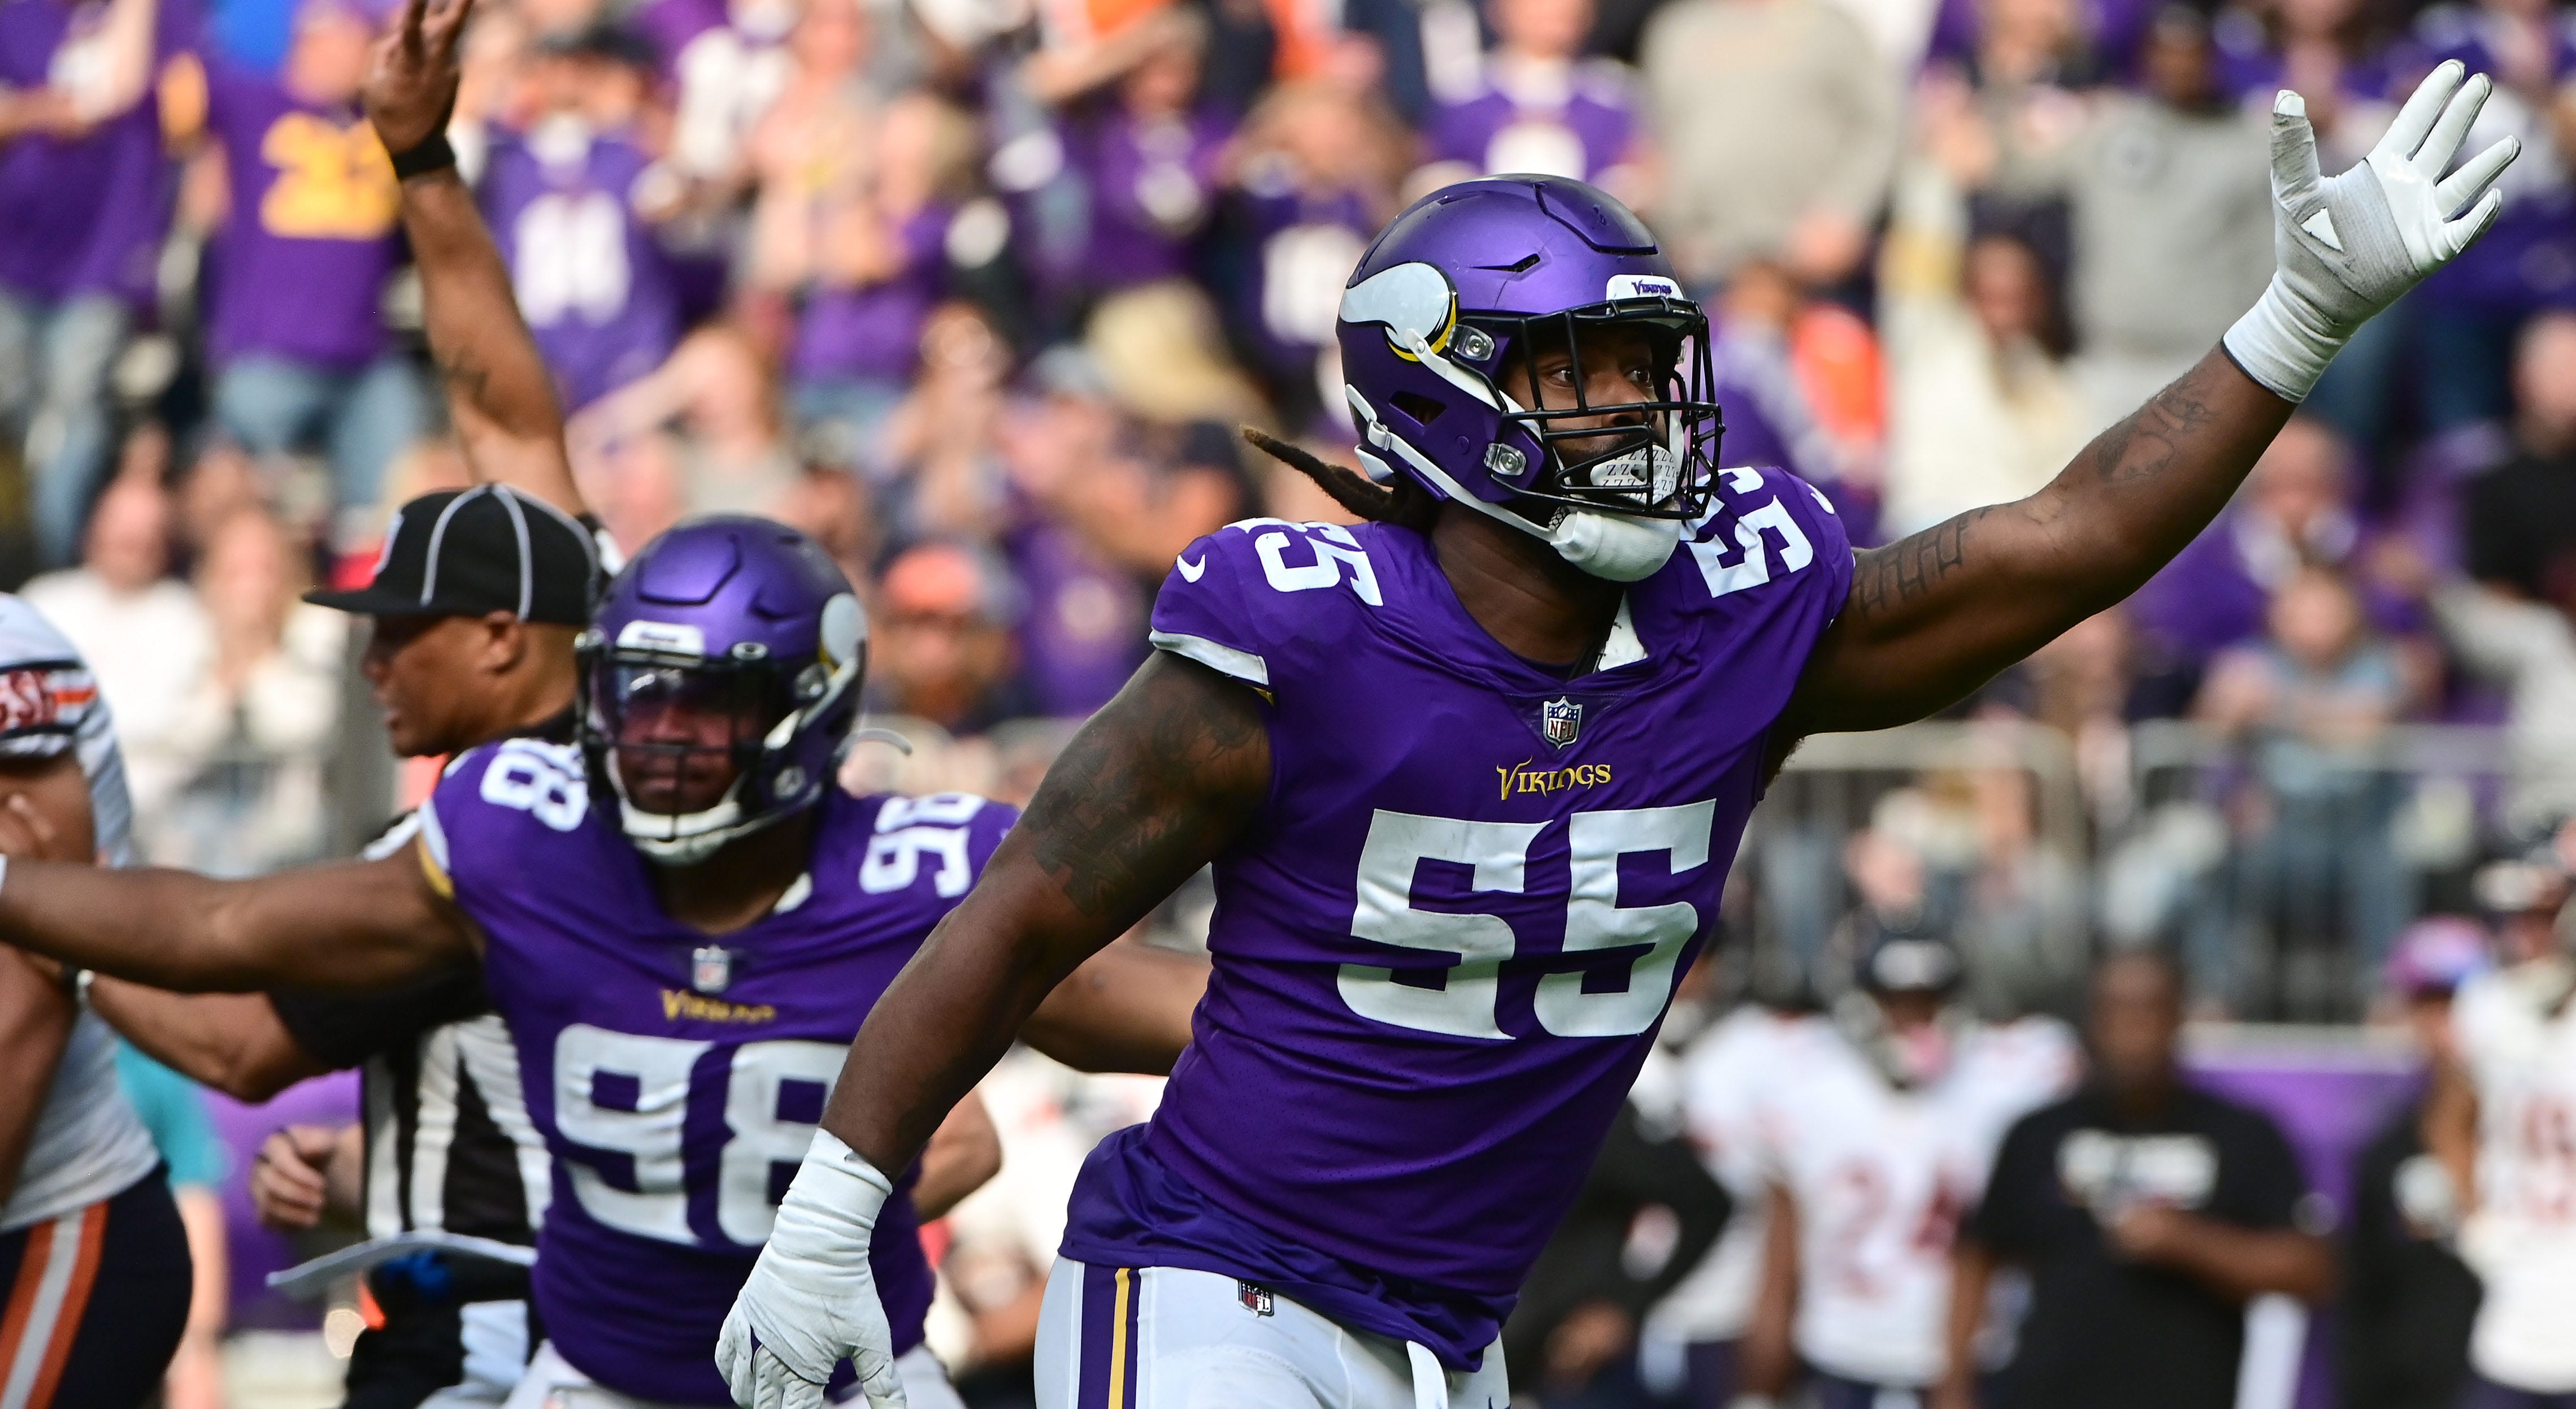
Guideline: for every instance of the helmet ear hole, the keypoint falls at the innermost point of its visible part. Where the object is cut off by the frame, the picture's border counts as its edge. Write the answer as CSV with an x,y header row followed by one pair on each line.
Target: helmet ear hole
x,y
1423,409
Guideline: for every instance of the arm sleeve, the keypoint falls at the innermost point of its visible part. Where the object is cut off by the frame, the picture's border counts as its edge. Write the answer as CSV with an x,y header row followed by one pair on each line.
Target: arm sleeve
x,y
342,1030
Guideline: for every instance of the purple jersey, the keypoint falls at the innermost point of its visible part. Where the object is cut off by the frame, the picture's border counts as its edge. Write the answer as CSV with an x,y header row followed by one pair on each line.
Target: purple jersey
x,y
677,1078
598,293
1153,186
2528,260
84,216
872,332
1577,120
1444,946
299,268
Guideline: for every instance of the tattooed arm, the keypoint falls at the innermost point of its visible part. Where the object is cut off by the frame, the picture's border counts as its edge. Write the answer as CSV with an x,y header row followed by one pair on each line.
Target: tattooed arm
x,y
1934,616
498,392
1154,787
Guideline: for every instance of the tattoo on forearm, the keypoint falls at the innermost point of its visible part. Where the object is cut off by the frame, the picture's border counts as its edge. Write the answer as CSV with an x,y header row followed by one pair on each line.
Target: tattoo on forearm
x,y
2150,440
1143,790
1899,574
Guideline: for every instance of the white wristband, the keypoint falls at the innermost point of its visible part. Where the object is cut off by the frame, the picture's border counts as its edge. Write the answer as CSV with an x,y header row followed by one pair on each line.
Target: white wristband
x,y
2280,347
836,1185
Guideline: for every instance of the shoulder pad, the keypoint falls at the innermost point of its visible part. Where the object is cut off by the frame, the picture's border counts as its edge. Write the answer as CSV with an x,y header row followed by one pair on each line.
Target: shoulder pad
x,y
1765,525
1232,592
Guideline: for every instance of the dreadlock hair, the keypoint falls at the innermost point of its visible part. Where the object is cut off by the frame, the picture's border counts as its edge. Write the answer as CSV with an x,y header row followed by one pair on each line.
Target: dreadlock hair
x,y
1404,504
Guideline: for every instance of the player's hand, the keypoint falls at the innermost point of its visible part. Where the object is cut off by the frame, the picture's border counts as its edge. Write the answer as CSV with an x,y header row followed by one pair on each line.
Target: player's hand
x,y
411,88
2348,245
811,1299
287,1186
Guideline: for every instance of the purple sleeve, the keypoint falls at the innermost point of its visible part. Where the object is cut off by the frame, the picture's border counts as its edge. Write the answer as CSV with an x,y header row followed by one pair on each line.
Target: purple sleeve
x,y
1203,612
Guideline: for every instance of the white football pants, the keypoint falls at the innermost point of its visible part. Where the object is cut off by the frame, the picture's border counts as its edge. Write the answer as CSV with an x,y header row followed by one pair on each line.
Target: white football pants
x,y
1167,1338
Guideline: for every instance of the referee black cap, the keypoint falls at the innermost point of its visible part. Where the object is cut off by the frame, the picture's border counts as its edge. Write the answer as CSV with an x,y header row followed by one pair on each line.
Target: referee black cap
x,y
470,552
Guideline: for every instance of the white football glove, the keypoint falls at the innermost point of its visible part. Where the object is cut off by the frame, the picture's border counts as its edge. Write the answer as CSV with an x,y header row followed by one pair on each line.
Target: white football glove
x,y
811,1299
2348,245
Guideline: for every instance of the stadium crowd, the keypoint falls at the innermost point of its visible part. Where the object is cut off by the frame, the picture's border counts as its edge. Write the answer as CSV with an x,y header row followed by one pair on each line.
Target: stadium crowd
x,y
977,292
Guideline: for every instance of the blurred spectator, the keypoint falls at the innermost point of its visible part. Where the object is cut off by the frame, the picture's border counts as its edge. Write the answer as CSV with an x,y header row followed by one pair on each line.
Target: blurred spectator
x,y
573,203
2296,510
1150,152
2314,876
1538,106
726,62
174,1110
1777,125
942,649
941,447
2408,1300
144,634
2530,649
2519,519
1318,167
260,718
296,275
727,449
1981,408
2147,1214
2169,195
2466,317
1646,1215
86,193
874,266
1087,602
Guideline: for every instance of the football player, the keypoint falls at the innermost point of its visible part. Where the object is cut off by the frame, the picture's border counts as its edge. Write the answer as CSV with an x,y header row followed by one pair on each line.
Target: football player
x,y
681,919
1470,775
1877,1129
2503,1121
91,1246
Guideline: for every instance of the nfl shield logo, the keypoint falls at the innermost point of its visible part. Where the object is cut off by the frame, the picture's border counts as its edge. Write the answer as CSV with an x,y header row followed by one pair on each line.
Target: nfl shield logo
x,y
1559,721
711,969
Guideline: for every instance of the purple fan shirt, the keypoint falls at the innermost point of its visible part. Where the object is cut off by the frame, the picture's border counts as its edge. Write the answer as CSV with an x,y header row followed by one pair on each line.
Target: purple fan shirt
x,y
872,332
1444,945
1308,243
1153,186
1579,123
84,216
591,276
677,1078
298,269
2528,260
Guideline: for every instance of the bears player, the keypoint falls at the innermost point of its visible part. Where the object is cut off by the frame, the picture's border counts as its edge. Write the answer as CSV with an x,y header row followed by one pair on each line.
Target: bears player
x,y
1470,775
2505,1124
1877,1130
91,1247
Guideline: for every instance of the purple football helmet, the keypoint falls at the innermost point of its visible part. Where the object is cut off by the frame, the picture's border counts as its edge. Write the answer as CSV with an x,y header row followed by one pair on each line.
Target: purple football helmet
x,y
1475,281
719,679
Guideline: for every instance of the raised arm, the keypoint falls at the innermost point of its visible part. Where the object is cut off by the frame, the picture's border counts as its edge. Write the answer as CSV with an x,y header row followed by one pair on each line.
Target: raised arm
x,y
498,392
1153,788
354,925
1936,615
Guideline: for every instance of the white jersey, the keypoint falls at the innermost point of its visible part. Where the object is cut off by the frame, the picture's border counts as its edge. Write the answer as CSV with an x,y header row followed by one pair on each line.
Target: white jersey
x,y
1722,1073
88,1143
1881,1178
2521,1056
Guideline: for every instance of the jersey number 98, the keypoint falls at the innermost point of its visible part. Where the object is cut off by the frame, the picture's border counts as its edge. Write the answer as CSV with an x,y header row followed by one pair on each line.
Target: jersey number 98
x,y
626,1095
